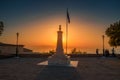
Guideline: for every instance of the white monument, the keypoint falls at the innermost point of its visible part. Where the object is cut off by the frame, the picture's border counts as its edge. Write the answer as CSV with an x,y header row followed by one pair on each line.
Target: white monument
x,y
59,58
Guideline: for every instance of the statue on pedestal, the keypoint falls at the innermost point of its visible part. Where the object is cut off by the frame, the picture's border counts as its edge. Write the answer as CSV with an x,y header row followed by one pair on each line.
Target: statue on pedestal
x,y
59,58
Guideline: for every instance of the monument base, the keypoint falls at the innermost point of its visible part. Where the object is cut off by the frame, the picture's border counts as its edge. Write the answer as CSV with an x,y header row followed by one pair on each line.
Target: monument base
x,y
59,60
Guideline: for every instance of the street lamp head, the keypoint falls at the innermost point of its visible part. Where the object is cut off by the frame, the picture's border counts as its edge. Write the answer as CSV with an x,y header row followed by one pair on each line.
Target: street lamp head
x,y
103,36
17,34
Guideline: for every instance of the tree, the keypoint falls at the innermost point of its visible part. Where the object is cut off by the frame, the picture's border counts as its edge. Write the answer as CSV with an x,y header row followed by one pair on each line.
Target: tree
x,y
73,51
1,27
52,51
113,32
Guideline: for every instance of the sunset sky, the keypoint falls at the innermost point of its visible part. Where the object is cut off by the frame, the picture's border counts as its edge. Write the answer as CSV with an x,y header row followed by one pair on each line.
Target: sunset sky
x,y
37,22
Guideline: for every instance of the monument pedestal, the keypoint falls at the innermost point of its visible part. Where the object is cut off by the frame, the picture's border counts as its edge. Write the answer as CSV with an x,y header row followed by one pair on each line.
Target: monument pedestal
x,y
59,58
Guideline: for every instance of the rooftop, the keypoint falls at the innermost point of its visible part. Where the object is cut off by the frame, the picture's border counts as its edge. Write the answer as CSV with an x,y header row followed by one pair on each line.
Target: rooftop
x,y
6,44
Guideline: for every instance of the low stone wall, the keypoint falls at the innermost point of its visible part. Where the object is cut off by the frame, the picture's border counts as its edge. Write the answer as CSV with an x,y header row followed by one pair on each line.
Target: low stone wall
x,y
84,55
6,56
47,55
35,55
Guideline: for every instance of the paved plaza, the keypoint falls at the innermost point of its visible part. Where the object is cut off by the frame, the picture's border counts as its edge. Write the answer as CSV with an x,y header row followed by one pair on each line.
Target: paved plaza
x,y
89,68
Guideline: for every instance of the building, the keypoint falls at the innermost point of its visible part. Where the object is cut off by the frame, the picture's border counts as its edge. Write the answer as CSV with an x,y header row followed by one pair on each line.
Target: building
x,y
27,50
6,49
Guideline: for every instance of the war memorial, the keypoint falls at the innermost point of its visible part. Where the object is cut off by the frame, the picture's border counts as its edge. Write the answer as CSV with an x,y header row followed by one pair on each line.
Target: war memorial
x,y
60,67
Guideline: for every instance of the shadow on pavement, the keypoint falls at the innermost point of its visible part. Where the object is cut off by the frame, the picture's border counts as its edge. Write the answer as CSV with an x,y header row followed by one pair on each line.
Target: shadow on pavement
x,y
59,73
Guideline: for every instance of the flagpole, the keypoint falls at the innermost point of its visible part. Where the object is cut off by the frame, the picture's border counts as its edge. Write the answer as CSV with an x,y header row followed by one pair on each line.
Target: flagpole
x,y
67,21
66,34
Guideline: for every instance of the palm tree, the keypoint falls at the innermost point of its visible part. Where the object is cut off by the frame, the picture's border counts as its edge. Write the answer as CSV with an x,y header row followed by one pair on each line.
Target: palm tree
x,y
1,27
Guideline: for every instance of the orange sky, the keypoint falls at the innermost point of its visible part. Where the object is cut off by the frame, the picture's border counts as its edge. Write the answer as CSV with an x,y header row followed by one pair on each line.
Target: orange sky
x,y
37,22
42,35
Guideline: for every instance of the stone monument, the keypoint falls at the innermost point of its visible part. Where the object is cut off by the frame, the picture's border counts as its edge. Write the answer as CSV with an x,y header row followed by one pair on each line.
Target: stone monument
x,y
59,58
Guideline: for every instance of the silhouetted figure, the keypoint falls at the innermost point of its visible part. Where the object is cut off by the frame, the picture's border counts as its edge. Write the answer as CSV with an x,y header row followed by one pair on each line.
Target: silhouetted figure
x,y
97,51
113,52
107,53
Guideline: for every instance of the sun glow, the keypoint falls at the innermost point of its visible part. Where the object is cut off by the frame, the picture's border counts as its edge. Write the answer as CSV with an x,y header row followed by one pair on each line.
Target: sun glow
x,y
39,34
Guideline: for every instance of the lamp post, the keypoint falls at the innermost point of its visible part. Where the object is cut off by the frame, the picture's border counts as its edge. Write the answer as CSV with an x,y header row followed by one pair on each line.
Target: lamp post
x,y
103,43
17,34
